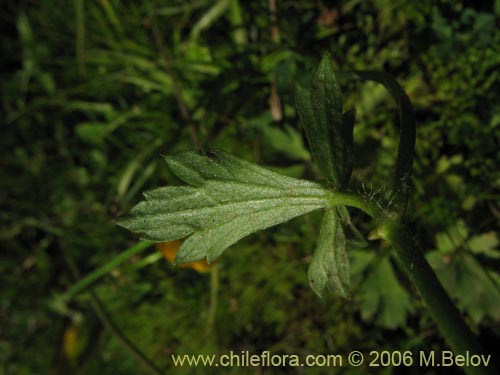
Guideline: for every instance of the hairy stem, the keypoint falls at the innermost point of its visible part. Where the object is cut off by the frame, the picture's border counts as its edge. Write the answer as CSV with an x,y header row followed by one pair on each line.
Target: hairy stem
x,y
357,201
406,148
442,309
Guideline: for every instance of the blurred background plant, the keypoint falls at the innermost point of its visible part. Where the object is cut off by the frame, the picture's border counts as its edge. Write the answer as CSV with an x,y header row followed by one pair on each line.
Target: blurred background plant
x,y
94,91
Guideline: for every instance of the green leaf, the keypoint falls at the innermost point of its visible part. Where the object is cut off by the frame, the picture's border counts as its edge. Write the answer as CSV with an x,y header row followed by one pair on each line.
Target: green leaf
x,y
328,131
474,287
228,199
287,141
485,244
383,297
329,268
92,132
210,17
453,237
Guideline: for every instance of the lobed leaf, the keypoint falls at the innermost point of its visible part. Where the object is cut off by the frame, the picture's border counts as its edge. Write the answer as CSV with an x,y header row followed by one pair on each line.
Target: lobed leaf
x,y
228,199
329,268
381,296
328,131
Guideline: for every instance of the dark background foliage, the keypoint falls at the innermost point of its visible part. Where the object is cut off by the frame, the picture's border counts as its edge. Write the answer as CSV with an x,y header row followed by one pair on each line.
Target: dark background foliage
x,y
93,92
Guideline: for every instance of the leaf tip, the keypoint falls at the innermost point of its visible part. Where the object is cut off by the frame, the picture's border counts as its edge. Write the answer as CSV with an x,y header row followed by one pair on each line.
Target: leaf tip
x,y
325,68
316,289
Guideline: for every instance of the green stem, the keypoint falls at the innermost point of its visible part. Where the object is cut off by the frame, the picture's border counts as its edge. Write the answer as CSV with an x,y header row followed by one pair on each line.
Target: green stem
x,y
80,36
354,200
92,277
404,161
106,320
214,291
442,309
126,343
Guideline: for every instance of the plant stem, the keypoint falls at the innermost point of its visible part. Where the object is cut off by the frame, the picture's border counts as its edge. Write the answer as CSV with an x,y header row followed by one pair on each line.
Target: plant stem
x,y
167,65
407,136
108,322
108,267
442,309
214,291
354,200
80,36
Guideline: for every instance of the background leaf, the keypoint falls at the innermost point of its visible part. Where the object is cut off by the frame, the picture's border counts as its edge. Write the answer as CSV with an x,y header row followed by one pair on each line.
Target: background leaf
x,y
381,295
476,290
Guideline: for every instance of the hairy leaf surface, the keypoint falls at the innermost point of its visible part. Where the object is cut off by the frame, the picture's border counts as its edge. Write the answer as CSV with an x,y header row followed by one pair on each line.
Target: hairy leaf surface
x,y
329,268
329,131
228,199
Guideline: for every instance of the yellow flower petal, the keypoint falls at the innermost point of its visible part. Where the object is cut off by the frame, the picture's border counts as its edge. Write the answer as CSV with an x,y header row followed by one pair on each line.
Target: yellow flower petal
x,y
169,250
